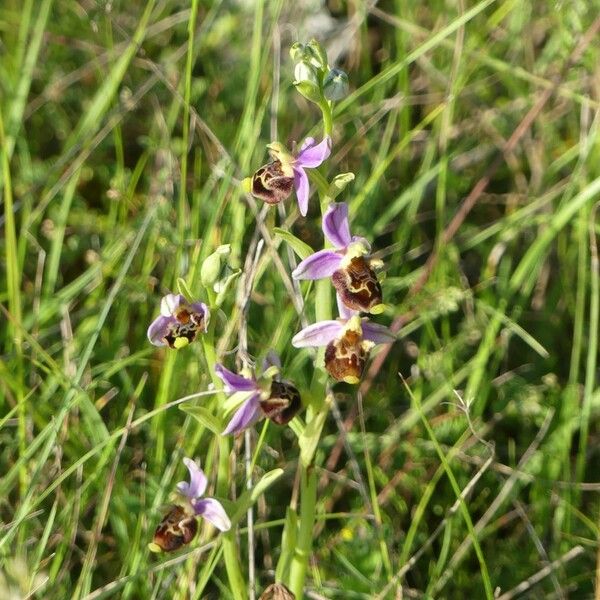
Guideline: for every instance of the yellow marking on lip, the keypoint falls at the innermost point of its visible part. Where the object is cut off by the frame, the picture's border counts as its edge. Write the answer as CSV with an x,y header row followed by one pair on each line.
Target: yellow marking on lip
x,y
378,309
154,547
352,379
181,342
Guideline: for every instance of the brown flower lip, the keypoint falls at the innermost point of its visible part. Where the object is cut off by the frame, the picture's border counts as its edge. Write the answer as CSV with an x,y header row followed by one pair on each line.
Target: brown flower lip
x,y
271,184
283,404
188,325
176,529
345,358
357,285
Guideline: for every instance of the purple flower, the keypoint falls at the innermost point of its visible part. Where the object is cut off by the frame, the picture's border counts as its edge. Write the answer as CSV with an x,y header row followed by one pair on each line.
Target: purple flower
x,y
348,263
180,525
208,508
348,341
179,322
274,181
266,397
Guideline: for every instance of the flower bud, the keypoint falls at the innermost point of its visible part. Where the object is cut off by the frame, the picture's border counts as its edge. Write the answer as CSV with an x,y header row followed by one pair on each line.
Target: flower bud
x,y
309,90
318,54
305,72
210,272
297,52
335,85
307,81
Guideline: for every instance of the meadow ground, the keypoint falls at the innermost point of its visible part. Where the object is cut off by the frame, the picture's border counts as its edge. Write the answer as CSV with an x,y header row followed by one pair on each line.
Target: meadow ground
x,y
465,465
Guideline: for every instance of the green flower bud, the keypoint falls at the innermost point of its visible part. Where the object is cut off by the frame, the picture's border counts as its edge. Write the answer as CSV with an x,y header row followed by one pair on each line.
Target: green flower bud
x,y
318,53
211,268
305,72
297,52
309,90
335,85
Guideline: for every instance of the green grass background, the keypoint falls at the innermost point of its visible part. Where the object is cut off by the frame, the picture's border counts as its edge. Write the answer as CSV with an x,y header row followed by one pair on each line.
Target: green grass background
x,y
126,128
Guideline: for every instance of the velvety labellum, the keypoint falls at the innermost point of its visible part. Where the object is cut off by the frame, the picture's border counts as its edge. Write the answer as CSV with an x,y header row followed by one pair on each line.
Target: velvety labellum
x,y
271,184
345,358
185,329
283,403
175,530
357,285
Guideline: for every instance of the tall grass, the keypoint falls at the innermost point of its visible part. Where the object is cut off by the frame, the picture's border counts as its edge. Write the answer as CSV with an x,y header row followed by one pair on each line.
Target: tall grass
x,y
469,464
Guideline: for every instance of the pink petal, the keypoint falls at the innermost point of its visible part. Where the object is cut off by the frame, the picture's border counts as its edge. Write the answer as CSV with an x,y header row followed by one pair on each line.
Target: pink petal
x,y
247,414
312,156
307,143
377,333
302,190
318,334
170,303
318,265
198,482
158,329
212,510
234,382
335,224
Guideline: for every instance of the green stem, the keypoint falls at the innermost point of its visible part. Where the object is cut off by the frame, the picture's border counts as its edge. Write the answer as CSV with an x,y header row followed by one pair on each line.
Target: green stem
x,y
308,499
308,477
327,117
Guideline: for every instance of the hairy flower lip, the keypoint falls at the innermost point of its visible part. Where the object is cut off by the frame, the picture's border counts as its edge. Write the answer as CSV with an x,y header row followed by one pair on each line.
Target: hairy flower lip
x,y
348,341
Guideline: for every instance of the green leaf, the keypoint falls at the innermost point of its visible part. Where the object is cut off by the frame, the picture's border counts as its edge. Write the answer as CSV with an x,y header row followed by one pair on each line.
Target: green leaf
x,y
204,417
298,246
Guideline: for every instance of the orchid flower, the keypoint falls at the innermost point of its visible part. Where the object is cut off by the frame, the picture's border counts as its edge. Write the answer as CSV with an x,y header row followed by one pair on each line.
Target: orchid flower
x,y
179,322
274,181
266,397
348,263
348,341
179,526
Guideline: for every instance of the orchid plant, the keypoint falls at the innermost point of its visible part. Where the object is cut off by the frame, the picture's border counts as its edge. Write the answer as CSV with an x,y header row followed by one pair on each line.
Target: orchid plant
x,y
244,397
